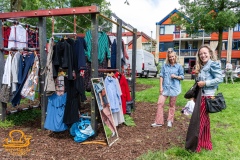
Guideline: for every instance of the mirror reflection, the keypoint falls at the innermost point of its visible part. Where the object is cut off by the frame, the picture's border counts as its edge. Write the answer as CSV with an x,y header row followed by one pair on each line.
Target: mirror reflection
x,y
105,110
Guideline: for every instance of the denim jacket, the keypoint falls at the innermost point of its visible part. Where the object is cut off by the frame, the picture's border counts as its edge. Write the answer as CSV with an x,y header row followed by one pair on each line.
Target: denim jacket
x,y
210,73
171,86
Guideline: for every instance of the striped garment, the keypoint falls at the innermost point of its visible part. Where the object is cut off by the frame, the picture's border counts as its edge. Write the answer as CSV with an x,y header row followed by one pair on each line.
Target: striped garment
x,y
204,138
103,46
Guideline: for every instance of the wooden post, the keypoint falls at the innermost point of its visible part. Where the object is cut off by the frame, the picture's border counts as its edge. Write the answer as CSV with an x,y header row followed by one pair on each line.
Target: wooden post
x,y
134,56
3,106
94,71
119,44
43,61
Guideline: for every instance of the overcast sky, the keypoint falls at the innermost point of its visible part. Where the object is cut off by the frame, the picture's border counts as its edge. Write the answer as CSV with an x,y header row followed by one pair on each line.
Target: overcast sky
x,y
143,14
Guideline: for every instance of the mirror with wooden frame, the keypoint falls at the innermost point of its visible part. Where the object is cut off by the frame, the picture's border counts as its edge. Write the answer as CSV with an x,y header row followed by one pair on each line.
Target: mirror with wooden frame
x,y
105,110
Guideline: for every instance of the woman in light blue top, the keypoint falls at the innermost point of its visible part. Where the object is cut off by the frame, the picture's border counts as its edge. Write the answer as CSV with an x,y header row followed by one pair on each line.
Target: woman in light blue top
x,y
209,76
170,75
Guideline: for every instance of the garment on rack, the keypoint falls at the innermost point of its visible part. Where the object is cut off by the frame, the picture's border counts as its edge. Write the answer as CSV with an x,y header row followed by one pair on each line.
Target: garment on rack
x,y
79,46
31,83
103,46
27,64
49,87
114,92
55,113
6,79
63,57
125,97
17,37
88,72
123,53
6,33
114,54
2,63
71,113
16,61
32,38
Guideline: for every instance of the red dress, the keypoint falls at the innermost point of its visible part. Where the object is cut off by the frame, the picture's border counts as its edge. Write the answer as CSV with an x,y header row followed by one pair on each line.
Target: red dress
x,y
125,90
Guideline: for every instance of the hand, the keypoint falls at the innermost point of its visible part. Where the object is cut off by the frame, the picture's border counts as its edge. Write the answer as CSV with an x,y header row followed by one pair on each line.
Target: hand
x,y
160,91
201,84
173,76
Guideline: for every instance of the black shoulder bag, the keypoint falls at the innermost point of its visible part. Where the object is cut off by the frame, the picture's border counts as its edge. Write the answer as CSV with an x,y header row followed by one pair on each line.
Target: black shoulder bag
x,y
215,103
192,92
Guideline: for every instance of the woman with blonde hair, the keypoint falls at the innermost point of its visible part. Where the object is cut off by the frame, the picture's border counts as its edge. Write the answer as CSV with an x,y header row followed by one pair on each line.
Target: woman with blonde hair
x,y
170,75
208,75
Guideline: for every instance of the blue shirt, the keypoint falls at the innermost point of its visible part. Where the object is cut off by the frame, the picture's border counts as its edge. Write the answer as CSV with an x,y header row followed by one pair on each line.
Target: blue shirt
x,y
171,86
113,93
211,73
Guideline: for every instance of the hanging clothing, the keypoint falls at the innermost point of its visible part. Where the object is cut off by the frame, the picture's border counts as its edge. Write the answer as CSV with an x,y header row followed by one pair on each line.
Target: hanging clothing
x,y
32,38
6,33
88,71
63,57
17,58
31,83
103,46
74,88
118,116
6,79
55,112
2,65
114,54
125,97
79,46
27,64
114,95
71,114
49,86
17,37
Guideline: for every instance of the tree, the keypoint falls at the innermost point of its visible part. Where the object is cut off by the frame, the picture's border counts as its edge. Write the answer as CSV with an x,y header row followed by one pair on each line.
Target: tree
x,y
210,15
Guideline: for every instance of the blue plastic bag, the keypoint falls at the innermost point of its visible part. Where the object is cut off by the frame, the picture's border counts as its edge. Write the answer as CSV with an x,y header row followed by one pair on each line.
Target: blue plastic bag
x,y
81,130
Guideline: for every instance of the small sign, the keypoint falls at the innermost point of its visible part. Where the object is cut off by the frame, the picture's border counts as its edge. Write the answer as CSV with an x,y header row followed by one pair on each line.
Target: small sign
x,y
17,143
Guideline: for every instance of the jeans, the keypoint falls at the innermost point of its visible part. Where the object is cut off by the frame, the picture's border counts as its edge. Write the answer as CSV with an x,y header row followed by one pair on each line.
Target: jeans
x,y
228,74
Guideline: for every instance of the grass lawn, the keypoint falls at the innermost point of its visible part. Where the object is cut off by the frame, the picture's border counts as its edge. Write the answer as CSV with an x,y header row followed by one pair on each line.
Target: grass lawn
x,y
225,127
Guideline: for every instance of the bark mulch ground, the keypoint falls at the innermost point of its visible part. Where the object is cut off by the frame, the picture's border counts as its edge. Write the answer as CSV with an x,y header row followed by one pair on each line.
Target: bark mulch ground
x,y
132,142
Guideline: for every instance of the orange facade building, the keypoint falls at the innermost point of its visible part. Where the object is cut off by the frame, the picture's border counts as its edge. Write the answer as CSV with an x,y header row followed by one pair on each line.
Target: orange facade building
x,y
170,36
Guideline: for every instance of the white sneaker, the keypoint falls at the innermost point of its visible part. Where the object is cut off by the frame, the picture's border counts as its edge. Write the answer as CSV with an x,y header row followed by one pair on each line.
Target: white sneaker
x,y
156,125
169,124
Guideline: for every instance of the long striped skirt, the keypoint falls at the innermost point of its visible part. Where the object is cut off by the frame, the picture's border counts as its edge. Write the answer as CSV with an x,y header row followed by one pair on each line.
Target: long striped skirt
x,y
204,138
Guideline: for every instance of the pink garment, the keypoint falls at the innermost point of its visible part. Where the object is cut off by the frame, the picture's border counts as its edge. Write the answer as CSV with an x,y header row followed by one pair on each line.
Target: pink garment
x,y
172,105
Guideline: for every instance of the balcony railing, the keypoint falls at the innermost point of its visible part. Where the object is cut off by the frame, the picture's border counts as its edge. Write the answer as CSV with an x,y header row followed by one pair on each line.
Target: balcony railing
x,y
186,52
183,35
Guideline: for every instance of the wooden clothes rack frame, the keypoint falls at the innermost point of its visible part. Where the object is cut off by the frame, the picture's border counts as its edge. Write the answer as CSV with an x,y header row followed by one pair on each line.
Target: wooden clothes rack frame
x,y
94,11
